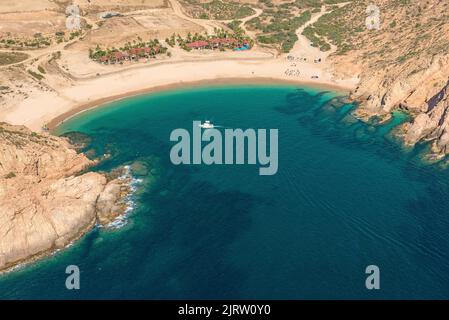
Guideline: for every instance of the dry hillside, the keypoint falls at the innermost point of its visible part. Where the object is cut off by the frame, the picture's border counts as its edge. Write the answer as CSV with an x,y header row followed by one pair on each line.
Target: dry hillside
x,y
404,64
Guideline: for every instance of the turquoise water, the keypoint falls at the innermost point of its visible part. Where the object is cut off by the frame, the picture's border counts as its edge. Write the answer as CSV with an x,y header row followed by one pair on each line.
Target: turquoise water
x,y
346,196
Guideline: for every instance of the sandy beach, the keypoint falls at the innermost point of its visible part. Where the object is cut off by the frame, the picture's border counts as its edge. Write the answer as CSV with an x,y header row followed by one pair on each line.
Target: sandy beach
x,y
52,107
75,83
333,190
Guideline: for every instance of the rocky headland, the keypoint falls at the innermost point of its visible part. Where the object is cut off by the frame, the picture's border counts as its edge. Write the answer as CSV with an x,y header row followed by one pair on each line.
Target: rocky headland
x,y
404,64
47,198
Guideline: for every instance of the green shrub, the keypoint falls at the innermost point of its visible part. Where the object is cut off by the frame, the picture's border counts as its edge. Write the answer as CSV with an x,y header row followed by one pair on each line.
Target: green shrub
x,y
10,175
36,75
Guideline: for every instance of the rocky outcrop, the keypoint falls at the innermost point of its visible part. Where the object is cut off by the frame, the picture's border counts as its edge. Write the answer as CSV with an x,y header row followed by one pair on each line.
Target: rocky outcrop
x,y
432,125
409,86
403,64
108,208
46,201
423,94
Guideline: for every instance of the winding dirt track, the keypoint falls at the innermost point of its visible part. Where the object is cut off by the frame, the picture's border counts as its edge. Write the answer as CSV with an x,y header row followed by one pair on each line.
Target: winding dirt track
x,y
303,46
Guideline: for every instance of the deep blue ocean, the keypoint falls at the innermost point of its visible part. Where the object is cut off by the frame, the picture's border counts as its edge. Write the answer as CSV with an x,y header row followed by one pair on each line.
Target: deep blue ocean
x,y
346,195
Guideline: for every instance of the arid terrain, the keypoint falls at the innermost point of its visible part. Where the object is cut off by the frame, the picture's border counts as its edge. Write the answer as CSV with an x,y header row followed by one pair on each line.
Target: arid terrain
x,y
125,47
57,61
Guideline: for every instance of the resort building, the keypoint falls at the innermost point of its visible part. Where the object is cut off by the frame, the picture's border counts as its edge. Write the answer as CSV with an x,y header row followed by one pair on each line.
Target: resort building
x,y
129,55
219,43
199,45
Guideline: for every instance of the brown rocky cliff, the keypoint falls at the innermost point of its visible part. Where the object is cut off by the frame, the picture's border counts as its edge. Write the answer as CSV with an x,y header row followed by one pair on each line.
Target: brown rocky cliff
x,y
403,64
45,201
402,86
432,125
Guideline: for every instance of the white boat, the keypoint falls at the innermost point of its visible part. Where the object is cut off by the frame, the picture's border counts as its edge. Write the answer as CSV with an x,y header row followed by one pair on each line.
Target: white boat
x,y
207,125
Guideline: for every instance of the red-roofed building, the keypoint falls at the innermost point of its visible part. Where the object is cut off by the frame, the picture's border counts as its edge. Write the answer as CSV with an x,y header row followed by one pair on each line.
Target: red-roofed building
x,y
126,55
118,56
215,42
223,42
198,44
132,53
232,41
104,59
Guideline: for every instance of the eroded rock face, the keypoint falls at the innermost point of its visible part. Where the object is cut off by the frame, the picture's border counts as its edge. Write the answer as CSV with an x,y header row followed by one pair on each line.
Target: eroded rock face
x,y
400,65
411,86
421,126
433,124
45,203
108,208
424,94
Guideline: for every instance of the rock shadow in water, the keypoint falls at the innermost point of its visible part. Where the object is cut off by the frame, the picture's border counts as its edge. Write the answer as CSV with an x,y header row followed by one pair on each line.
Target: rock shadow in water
x,y
189,225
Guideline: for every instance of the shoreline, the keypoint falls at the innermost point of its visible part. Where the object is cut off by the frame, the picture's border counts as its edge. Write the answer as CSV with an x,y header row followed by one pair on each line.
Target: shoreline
x,y
55,122
18,265
65,93
80,233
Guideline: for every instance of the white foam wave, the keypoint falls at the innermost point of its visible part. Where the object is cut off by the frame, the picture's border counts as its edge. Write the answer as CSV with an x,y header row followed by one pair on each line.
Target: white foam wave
x,y
130,199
